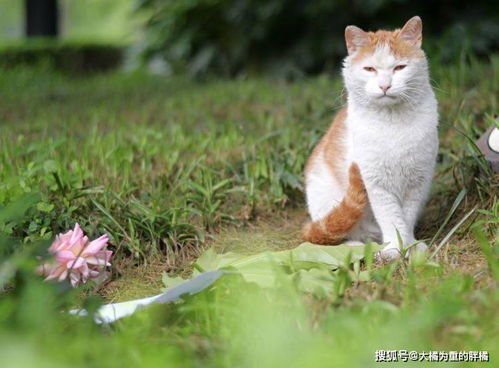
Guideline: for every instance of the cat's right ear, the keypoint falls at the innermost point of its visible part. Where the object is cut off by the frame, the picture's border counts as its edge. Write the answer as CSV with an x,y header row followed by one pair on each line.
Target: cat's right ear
x,y
355,38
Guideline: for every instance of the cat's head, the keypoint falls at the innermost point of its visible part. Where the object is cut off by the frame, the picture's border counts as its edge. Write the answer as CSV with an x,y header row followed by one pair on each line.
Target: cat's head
x,y
385,68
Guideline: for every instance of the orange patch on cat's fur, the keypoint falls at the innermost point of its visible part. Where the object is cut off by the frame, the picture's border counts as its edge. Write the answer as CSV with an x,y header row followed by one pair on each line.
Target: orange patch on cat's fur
x,y
400,48
340,220
332,146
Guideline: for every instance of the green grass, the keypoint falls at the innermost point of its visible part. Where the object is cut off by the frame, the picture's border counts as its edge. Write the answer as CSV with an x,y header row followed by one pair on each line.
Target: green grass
x,y
154,163
168,167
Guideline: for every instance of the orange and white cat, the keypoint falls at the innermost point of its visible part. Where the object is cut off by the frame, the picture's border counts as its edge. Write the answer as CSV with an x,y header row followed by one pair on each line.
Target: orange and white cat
x,y
369,176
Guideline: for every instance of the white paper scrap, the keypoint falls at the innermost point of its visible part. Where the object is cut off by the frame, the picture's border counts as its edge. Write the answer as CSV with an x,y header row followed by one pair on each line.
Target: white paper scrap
x,y
112,312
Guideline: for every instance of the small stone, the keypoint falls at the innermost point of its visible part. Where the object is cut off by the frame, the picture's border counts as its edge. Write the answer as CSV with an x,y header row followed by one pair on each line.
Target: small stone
x,y
488,144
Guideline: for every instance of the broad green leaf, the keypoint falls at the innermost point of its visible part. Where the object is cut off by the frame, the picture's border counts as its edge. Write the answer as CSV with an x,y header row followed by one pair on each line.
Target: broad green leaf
x,y
333,256
208,261
45,207
309,264
315,281
170,281
263,273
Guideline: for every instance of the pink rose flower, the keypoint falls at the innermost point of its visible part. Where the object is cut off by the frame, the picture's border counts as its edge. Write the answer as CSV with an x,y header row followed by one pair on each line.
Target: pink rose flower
x,y
76,258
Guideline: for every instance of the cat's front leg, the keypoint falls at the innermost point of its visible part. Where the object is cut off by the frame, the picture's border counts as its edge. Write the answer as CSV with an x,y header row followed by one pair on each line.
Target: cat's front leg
x,y
412,206
389,215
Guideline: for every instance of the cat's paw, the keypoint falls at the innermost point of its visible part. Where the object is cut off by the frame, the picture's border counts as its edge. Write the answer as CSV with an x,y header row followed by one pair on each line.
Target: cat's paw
x,y
388,254
354,243
420,247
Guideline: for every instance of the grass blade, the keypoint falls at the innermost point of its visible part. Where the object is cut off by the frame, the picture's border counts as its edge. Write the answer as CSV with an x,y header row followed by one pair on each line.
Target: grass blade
x,y
452,231
109,216
453,209
488,250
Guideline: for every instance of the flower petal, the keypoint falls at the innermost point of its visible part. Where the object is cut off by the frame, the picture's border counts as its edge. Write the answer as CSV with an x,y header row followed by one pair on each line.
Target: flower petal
x,y
109,253
76,263
56,245
51,272
84,272
62,275
64,256
43,269
96,245
75,279
77,236
77,233
93,274
97,261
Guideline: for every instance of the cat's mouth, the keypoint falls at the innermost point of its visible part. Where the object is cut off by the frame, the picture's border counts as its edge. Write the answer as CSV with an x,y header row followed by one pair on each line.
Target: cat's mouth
x,y
385,97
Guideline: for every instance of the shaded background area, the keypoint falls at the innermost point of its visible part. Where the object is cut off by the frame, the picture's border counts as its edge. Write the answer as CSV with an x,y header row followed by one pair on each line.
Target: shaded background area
x,y
228,36
234,37
91,20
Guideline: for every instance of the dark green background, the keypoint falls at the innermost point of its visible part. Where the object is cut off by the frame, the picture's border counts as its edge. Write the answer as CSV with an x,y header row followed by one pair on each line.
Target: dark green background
x,y
293,36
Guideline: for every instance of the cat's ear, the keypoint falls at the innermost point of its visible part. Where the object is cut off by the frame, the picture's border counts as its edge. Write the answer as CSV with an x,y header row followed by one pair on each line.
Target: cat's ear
x,y
355,38
412,31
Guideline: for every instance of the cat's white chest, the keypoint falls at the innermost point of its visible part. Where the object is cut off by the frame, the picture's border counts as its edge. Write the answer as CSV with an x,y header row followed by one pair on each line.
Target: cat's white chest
x,y
394,154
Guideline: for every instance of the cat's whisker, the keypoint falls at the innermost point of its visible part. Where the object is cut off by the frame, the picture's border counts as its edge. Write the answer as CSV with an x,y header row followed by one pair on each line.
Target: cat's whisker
x,y
339,98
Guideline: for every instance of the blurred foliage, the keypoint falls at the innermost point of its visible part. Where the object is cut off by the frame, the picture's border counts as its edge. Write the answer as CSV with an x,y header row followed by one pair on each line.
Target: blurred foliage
x,y
11,18
89,20
111,20
292,37
72,57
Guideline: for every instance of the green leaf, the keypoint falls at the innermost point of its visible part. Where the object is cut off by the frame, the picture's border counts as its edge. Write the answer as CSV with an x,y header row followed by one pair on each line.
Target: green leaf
x,y
50,166
170,281
309,264
264,273
16,210
329,255
315,281
208,261
45,207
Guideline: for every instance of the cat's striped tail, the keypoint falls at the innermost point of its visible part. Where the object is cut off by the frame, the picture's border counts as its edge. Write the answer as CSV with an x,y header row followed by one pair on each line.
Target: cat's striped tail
x,y
335,226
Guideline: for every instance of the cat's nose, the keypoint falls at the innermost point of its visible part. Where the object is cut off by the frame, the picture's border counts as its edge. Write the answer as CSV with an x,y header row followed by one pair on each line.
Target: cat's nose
x,y
384,87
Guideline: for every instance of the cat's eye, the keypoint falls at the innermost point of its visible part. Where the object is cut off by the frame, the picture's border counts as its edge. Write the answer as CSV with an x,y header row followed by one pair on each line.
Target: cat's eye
x,y
369,69
399,67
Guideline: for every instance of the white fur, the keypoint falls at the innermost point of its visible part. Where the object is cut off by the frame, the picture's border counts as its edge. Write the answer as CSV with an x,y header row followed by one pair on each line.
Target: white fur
x,y
393,140
323,190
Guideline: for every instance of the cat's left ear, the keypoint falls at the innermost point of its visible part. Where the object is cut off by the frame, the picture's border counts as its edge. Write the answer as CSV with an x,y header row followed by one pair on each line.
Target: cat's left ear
x,y
355,38
412,31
